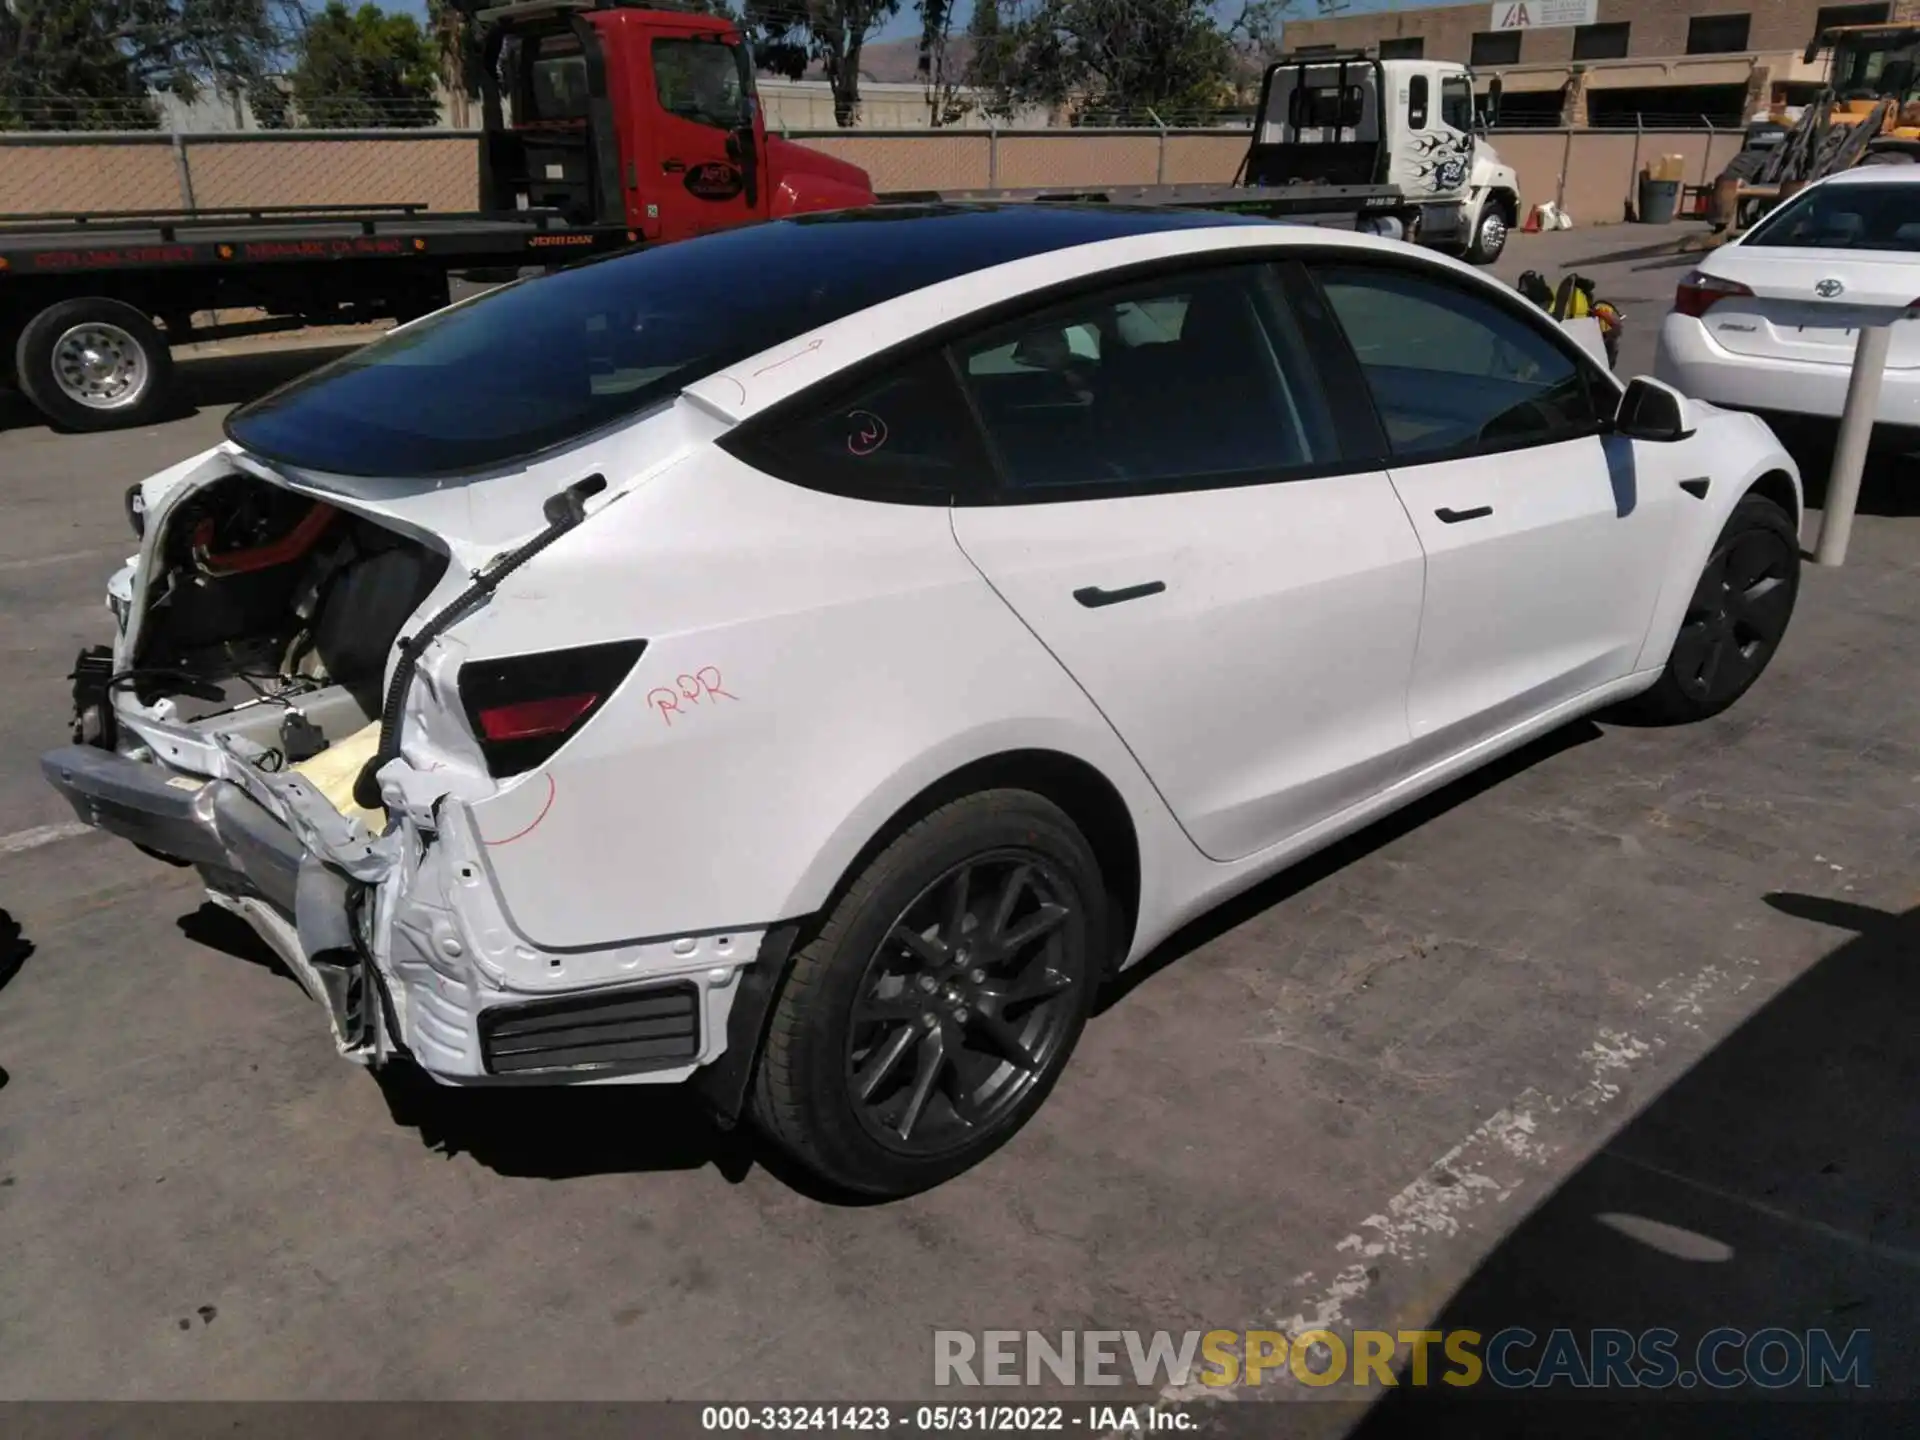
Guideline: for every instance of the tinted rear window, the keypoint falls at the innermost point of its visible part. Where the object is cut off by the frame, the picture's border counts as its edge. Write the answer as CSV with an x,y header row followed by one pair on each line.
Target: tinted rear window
x,y
535,366
1846,217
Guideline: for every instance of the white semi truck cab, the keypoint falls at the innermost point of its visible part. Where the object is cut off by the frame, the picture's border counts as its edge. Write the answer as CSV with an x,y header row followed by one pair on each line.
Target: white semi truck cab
x,y
1351,118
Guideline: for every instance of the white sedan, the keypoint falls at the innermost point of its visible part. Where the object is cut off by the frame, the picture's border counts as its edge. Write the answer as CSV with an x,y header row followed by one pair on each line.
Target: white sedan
x,y
1769,322
809,660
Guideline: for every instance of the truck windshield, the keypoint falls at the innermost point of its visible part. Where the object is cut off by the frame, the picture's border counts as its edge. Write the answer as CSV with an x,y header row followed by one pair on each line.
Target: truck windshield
x,y
1845,217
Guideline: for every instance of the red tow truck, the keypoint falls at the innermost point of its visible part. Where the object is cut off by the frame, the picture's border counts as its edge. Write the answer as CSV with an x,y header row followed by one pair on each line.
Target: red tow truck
x,y
619,125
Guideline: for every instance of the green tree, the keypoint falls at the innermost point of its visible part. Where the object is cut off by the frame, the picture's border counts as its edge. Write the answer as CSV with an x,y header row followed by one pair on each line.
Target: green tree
x,y
364,67
788,34
1112,57
94,64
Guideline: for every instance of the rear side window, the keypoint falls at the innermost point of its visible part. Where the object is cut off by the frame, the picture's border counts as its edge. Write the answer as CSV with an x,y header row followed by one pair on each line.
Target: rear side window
x,y
1195,379
1845,217
1452,373
903,436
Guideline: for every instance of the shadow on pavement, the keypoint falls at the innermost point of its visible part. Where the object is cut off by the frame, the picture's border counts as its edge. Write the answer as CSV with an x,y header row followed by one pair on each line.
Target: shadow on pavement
x,y
15,948
1772,1186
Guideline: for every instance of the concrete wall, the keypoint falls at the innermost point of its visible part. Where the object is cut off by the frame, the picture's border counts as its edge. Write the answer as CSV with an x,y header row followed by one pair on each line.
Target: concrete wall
x,y
1591,171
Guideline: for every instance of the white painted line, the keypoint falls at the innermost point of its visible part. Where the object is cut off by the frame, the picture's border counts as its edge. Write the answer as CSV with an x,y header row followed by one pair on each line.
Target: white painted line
x,y
41,835
60,558
1497,1158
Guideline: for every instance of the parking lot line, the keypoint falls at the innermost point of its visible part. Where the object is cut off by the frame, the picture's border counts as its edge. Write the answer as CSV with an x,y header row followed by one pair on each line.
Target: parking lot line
x,y
41,835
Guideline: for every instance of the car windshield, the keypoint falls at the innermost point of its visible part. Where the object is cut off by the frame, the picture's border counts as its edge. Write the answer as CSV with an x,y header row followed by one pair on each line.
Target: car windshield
x,y
1861,216
531,367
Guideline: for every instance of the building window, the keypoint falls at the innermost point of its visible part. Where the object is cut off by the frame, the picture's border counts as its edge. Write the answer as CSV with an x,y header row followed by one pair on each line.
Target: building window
x,y
1314,49
1717,34
1601,42
1830,16
1412,47
1496,47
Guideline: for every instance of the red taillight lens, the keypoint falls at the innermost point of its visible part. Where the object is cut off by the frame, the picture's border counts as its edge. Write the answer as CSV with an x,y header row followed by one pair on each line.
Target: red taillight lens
x,y
525,707
528,718
1699,292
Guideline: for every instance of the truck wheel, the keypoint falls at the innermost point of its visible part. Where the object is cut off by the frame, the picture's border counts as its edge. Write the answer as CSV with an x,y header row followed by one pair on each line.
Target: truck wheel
x,y
940,999
94,364
1490,236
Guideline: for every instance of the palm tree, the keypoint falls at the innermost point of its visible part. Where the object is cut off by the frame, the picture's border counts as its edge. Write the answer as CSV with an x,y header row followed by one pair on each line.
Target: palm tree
x,y
452,34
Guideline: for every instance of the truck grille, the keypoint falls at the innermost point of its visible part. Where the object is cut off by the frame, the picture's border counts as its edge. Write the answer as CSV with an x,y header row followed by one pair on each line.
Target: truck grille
x,y
645,1029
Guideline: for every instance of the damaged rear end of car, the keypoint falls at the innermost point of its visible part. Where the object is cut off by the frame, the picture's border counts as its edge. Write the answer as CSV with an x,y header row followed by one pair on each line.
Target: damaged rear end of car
x,y
287,707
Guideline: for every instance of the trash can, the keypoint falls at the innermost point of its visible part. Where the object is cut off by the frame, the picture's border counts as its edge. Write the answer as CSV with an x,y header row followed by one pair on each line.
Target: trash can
x,y
1658,200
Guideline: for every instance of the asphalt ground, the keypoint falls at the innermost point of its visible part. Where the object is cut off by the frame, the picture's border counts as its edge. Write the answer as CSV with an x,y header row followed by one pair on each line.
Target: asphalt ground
x,y
1619,1033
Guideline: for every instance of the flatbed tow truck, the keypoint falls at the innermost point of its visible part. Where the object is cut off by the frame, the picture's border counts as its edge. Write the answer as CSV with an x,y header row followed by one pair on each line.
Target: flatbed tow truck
x,y
609,124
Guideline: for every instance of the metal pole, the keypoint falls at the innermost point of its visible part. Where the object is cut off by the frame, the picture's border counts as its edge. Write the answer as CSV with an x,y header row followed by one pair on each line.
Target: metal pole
x,y
183,170
1706,158
993,154
1633,172
1850,450
1566,160
1160,164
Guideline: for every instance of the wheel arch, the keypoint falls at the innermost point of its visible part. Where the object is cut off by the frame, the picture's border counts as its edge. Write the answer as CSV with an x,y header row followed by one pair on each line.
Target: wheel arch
x,y
1089,798
1076,785
1777,485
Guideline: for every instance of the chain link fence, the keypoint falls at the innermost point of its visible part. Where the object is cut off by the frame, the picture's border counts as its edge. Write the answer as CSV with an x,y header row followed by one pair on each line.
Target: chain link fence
x,y
1590,173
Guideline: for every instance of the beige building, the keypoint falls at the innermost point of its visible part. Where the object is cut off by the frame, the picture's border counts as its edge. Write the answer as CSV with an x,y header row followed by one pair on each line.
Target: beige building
x,y
1665,61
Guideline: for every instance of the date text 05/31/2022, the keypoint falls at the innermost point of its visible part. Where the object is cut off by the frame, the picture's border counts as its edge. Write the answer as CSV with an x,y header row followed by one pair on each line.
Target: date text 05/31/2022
x,y
942,1419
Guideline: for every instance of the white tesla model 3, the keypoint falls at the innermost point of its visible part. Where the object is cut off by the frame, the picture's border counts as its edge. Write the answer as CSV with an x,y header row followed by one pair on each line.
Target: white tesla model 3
x,y
807,661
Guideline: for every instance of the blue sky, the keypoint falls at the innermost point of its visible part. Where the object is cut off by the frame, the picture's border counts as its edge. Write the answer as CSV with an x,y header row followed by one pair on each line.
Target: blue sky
x,y
907,22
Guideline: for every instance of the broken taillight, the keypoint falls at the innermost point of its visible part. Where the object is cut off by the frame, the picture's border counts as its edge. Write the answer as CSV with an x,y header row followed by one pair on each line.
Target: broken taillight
x,y
525,707
1699,292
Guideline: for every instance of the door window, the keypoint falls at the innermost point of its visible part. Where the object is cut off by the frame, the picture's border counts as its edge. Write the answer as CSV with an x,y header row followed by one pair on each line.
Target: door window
x,y
1453,373
1456,102
702,81
1198,378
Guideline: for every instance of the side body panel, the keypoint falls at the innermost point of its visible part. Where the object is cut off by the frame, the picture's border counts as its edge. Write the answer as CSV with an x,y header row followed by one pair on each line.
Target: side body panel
x,y
813,662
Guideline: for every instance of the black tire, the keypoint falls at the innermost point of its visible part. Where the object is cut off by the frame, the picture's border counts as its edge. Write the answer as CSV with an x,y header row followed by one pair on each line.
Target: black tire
x,y
1490,233
1735,620
863,1009
133,354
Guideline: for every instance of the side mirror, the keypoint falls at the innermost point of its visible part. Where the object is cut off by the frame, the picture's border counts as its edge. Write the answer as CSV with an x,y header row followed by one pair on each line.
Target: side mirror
x,y
1652,410
1495,88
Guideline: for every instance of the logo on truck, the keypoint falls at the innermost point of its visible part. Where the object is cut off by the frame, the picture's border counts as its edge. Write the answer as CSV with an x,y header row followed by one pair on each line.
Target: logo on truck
x,y
714,180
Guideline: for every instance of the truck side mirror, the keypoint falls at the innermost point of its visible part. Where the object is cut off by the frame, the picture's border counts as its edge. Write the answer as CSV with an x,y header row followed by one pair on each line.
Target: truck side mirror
x,y
1491,117
1651,410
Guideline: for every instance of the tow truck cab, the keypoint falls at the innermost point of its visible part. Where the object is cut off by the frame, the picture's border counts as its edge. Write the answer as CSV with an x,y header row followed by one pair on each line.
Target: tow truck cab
x,y
1351,118
614,114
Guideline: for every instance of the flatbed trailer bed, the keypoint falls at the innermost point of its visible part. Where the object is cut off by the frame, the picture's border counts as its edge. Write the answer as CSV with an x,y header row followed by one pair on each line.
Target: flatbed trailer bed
x,y
79,293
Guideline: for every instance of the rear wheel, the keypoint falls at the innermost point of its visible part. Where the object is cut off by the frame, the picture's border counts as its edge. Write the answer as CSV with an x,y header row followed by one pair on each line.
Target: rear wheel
x,y
941,999
94,364
1734,622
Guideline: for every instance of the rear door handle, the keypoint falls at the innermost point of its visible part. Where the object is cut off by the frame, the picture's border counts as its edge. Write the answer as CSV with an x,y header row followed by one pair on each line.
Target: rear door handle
x,y
1454,517
1093,597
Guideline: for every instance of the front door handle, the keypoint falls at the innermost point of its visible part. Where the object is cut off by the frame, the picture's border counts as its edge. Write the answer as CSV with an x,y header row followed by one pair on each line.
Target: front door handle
x,y
673,167
1093,597
1454,517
